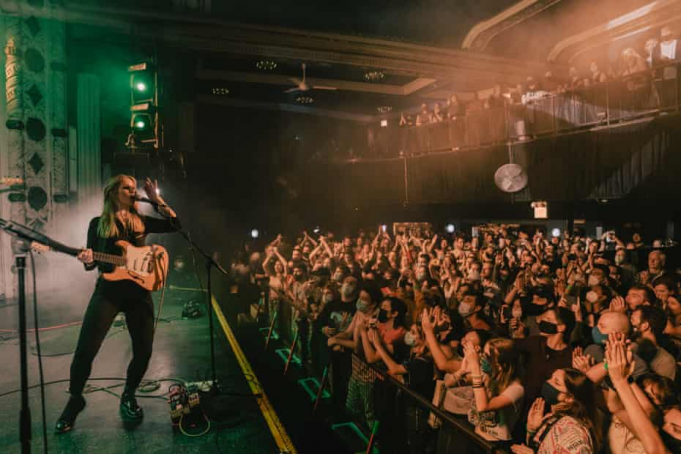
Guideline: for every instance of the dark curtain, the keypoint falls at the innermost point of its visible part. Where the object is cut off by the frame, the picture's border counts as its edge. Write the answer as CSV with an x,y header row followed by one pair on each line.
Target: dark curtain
x,y
634,161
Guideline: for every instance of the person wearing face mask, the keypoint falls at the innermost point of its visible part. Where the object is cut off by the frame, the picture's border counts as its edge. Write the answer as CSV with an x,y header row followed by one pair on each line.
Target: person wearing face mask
x,y
543,299
470,309
389,328
648,324
335,318
657,397
671,430
610,322
545,353
573,425
498,392
359,399
416,372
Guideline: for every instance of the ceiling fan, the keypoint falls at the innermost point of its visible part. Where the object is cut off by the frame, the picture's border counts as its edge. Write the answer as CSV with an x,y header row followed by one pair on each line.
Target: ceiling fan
x,y
302,86
511,178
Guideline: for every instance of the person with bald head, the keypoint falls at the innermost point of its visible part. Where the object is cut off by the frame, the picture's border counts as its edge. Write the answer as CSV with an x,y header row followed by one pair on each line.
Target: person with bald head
x,y
610,322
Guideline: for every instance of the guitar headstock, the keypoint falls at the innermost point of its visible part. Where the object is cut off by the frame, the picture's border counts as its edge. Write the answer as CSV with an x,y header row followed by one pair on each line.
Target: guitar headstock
x,y
11,181
39,247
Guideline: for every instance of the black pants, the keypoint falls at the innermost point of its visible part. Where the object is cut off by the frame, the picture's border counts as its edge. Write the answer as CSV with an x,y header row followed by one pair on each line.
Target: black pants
x,y
104,305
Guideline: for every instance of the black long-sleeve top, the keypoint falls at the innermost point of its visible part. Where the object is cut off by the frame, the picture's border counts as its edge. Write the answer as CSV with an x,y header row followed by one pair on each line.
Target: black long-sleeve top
x,y
108,246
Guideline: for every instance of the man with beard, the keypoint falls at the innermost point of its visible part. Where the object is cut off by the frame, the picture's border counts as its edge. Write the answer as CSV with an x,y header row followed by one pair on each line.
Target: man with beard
x,y
648,324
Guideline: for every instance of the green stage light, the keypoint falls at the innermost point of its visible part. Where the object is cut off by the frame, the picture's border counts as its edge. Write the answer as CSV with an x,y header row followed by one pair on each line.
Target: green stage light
x,y
141,86
140,124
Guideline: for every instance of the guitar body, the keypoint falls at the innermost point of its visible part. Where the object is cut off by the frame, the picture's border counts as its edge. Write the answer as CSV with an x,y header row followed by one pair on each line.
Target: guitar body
x,y
146,266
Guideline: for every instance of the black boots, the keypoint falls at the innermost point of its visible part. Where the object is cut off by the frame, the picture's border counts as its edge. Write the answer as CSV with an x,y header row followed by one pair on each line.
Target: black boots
x,y
68,417
130,411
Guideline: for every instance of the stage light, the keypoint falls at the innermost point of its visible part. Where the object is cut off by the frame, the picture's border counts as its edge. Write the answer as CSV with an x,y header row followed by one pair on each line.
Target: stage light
x,y
450,228
384,123
141,122
141,86
555,233
316,230
255,234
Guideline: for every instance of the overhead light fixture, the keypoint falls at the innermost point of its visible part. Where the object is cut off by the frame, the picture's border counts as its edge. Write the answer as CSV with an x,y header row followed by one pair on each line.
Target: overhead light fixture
x,y
304,100
266,65
384,123
384,109
374,76
255,233
220,91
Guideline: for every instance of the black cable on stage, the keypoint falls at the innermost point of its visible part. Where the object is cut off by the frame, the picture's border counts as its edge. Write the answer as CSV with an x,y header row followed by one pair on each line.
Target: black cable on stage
x,y
37,344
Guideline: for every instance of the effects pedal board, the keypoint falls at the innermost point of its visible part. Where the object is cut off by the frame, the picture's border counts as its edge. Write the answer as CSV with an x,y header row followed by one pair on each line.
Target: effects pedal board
x,y
184,400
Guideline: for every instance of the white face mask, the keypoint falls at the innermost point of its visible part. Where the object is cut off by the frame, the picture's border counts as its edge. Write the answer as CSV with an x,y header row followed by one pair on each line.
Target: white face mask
x,y
592,297
409,339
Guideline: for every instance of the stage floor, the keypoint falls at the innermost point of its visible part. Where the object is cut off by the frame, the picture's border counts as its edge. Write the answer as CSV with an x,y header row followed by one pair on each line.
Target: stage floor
x,y
181,351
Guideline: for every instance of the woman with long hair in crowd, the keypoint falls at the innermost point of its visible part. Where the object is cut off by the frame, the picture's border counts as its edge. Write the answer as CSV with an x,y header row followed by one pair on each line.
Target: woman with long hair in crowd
x,y
498,392
572,425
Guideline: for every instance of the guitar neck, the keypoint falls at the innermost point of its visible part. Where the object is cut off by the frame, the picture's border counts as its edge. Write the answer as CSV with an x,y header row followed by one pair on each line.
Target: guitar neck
x,y
109,258
98,256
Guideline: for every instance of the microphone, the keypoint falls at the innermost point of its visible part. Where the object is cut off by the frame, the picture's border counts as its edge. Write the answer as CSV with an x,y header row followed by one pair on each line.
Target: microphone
x,y
139,198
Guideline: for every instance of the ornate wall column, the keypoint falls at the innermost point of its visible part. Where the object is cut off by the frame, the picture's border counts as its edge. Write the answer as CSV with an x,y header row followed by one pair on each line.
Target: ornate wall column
x,y
36,115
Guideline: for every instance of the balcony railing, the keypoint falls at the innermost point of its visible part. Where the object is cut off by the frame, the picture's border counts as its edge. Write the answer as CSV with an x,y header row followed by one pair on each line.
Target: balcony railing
x,y
642,94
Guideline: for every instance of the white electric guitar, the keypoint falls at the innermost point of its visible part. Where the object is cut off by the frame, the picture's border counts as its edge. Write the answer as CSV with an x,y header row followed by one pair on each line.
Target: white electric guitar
x,y
147,266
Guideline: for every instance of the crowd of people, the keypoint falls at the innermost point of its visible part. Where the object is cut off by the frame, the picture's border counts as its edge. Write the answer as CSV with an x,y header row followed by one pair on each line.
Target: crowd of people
x,y
651,83
543,342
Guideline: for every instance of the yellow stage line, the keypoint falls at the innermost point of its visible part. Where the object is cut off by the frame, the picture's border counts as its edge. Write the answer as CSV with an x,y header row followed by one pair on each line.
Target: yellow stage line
x,y
276,427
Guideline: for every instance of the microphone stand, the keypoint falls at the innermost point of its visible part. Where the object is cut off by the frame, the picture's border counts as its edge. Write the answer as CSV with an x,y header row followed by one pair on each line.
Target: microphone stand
x,y
210,264
23,233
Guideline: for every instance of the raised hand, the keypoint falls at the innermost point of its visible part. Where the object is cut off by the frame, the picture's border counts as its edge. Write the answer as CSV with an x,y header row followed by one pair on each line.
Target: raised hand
x,y
536,417
426,323
151,189
618,305
618,357
580,361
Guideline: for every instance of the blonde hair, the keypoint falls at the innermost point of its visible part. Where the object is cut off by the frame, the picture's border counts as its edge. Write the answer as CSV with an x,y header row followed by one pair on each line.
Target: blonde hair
x,y
107,227
505,357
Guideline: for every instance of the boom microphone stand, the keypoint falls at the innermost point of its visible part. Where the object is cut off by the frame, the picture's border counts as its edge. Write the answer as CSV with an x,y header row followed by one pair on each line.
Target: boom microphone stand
x,y
210,264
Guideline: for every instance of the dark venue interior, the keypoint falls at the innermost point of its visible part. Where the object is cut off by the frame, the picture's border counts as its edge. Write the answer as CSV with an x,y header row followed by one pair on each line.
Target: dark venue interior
x,y
379,227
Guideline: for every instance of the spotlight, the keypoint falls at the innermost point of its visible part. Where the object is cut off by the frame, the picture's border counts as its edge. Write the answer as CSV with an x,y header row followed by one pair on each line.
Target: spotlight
x,y
450,228
555,233
255,234
141,86
384,123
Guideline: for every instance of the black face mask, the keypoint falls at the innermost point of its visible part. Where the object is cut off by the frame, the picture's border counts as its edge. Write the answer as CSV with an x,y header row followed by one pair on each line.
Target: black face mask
x,y
382,316
548,327
671,443
550,395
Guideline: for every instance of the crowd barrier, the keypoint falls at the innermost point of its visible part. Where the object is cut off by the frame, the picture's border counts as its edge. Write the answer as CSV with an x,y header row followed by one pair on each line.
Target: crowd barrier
x,y
641,94
391,417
